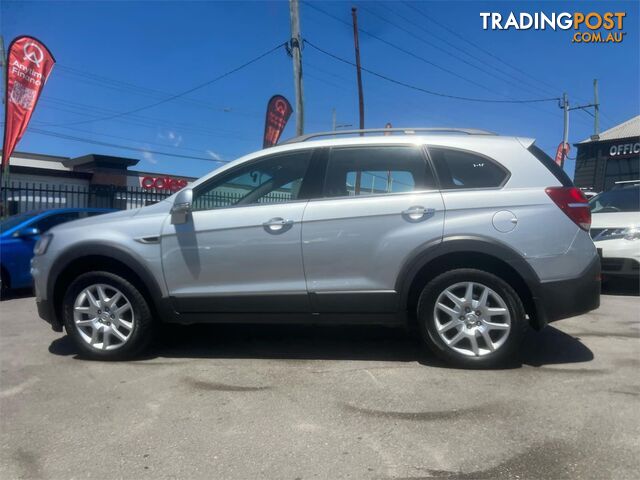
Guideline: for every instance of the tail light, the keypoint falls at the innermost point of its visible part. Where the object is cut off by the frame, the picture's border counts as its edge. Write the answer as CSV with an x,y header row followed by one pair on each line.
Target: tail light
x,y
573,203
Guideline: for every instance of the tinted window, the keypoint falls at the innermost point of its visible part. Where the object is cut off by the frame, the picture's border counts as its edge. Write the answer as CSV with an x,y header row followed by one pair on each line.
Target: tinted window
x,y
56,219
461,169
274,179
618,200
376,170
552,166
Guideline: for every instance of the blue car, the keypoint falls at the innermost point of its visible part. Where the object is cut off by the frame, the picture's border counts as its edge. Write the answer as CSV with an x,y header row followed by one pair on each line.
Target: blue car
x,y
19,234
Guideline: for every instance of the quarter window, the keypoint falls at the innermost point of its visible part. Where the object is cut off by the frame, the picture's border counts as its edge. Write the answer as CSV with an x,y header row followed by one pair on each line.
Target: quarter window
x,y
354,171
462,169
275,179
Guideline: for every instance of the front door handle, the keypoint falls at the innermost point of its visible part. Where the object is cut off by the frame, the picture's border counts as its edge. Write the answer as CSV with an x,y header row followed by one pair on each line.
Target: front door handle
x,y
417,213
277,225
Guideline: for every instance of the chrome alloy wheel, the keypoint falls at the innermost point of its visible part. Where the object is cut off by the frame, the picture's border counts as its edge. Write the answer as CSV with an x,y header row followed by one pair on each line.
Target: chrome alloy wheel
x,y
104,317
472,319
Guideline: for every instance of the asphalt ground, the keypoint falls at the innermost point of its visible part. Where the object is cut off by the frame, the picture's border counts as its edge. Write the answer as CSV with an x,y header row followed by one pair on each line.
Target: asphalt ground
x,y
294,402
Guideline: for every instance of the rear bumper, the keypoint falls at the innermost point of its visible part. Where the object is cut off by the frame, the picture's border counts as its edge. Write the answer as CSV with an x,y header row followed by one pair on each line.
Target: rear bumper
x,y
569,298
48,314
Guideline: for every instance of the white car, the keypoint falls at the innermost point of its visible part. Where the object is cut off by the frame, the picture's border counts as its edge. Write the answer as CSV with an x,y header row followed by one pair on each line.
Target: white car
x,y
615,229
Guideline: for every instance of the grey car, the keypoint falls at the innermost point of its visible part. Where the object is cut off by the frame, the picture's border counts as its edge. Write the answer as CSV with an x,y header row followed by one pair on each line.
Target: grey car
x,y
468,236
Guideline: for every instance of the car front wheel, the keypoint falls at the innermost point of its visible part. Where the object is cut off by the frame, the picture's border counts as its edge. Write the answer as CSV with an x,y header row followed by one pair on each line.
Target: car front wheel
x,y
107,316
471,318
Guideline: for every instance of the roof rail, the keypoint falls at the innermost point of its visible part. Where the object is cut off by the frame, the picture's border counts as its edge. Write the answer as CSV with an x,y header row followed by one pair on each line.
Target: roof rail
x,y
405,131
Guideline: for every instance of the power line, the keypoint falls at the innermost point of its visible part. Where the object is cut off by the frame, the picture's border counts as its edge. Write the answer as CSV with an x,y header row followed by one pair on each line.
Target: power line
x,y
123,147
424,90
181,94
487,52
493,72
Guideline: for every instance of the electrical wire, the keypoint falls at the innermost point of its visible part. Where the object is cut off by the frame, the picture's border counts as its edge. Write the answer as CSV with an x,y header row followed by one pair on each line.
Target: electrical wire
x,y
123,147
424,90
181,94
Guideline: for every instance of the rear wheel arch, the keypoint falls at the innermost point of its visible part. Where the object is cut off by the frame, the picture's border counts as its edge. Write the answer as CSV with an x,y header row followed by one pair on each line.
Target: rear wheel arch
x,y
467,252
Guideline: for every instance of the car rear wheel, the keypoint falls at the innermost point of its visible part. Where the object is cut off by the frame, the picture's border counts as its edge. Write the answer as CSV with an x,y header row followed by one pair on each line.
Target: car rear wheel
x,y
471,318
107,316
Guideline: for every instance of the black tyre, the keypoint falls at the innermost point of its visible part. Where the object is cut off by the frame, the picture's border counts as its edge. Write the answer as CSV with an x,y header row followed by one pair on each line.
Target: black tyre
x,y
107,316
471,319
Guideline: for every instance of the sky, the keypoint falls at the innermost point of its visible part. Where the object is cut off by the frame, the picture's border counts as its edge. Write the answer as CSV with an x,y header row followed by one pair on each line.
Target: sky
x,y
114,57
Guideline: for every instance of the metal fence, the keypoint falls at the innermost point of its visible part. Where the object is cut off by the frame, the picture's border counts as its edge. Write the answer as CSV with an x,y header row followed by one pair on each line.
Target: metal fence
x,y
22,197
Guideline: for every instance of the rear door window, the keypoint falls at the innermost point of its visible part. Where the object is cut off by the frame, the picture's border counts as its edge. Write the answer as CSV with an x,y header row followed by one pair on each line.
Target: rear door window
x,y
458,169
375,170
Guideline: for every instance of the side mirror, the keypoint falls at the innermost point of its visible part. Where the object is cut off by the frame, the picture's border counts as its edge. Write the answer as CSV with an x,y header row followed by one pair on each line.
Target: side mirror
x,y
28,232
181,206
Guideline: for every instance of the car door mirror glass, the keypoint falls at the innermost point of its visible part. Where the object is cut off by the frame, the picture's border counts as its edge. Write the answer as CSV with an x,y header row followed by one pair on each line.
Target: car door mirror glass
x,y
182,206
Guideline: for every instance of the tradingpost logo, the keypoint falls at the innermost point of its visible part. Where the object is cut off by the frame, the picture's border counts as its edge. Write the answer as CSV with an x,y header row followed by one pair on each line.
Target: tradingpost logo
x,y
591,27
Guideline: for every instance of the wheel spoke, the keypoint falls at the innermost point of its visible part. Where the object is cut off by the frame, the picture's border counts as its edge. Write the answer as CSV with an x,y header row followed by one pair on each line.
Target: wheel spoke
x,y
94,336
497,326
85,323
482,301
449,325
492,312
92,300
456,338
106,336
468,294
474,344
124,308
488,341
104,300
447,309
458,301
113,301
118,334
124,323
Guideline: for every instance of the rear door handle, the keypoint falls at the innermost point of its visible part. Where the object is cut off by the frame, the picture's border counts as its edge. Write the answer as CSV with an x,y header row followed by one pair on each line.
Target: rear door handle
x,y
277,225
417,213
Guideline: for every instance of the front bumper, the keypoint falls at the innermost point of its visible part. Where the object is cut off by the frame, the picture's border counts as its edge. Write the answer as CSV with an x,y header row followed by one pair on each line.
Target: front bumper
x,y
568,298
620,257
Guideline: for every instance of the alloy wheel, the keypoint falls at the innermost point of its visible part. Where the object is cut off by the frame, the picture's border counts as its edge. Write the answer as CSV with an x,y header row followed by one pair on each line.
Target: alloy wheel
x,y
472,319
103,316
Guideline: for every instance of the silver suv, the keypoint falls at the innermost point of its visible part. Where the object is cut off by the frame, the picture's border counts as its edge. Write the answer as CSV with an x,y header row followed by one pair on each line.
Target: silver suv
x,y
467,235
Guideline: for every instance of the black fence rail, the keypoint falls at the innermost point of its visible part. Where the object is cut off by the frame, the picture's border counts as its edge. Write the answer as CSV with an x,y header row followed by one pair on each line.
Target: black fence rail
x,y
21,197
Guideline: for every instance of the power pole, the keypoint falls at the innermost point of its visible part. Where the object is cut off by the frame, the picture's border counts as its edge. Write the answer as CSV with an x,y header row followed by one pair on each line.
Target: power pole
x,y
295,45
333,119
596,108
356,42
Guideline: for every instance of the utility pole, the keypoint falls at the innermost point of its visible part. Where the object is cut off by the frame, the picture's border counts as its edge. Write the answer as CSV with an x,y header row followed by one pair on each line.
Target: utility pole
x,y
565,131
333,119
356,42
295,45
596,109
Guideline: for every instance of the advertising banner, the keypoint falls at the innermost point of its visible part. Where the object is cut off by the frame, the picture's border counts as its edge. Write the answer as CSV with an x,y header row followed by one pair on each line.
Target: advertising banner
x,y
278,112
29,63
561,153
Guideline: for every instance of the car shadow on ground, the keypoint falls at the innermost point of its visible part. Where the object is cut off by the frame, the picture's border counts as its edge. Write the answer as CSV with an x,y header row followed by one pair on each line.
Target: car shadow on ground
x,y
16,293
293,342
621,286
